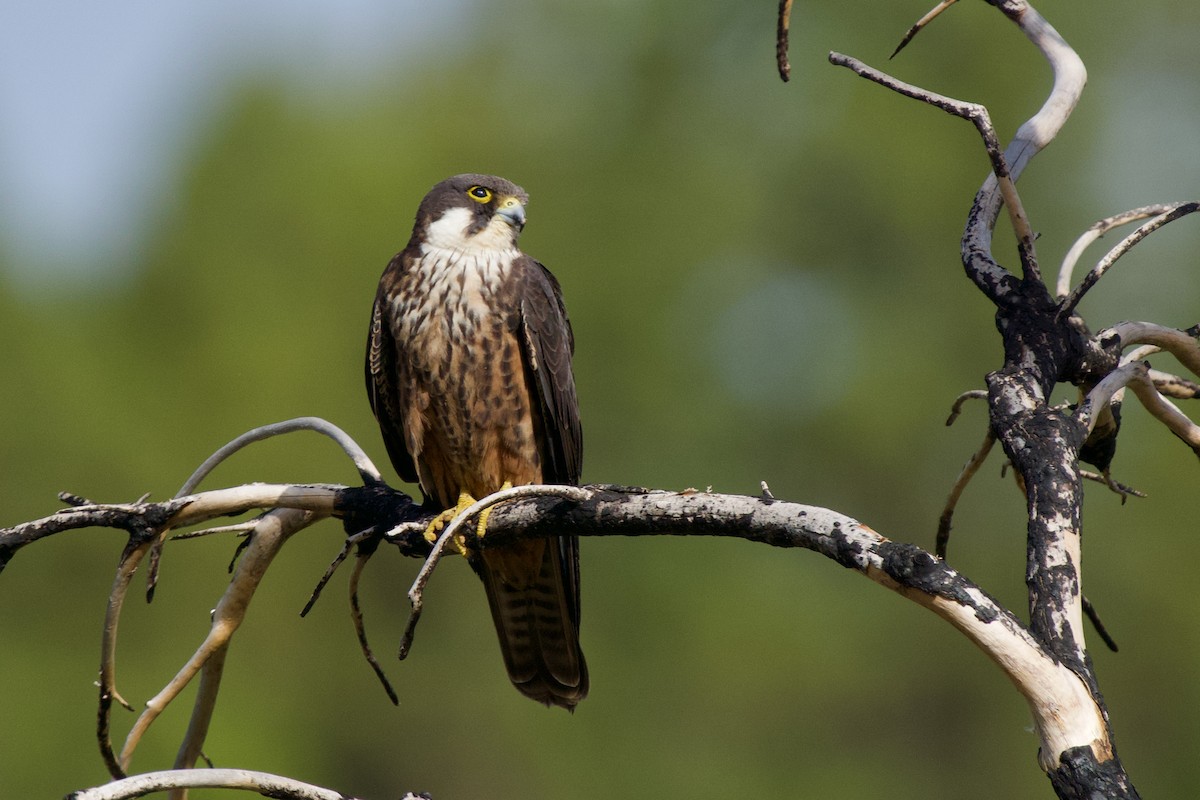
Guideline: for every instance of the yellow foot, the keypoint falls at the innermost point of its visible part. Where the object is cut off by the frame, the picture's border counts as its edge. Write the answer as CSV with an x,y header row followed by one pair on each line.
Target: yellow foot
x,y
465,501
481,528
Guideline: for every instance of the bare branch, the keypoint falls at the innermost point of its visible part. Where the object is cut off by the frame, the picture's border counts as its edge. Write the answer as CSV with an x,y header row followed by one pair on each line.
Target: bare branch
x,y
1167,383
990,275
956,408
1090,611
1094,232
1031,138
1067,305
241,528
360,630
1116,486
274,529
1166,412
261,783
1064,711
1184,345
452,534
1102,394
781,40
964,477
921,23
130,558
366,469
1174,386
1066,715
1136,376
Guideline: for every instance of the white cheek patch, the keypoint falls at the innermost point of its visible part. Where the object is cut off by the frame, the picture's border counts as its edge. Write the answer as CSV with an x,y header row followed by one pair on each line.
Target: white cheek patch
x,y
449,232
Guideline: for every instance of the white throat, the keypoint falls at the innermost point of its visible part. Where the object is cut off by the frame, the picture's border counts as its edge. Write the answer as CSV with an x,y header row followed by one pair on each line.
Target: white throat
x,y
449,232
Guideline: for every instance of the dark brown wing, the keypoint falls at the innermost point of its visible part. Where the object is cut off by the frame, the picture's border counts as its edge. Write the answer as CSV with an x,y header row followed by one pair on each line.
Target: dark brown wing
x,y
548,344
382,373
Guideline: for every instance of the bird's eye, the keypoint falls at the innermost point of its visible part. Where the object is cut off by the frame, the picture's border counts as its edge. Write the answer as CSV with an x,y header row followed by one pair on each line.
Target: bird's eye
x,y
480,194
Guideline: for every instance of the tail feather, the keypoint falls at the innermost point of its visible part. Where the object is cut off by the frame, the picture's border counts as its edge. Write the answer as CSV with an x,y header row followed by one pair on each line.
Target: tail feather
x,y
537,619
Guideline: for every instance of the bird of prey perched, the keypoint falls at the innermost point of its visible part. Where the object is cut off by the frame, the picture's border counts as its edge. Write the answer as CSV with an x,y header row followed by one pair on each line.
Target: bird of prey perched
x,y
469,374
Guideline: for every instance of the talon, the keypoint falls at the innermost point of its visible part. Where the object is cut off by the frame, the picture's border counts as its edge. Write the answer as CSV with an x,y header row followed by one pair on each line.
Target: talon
x,y
481,528
434,531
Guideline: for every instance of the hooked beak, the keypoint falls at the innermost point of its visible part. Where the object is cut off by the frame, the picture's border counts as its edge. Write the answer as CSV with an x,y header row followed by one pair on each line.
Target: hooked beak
x,y
513,212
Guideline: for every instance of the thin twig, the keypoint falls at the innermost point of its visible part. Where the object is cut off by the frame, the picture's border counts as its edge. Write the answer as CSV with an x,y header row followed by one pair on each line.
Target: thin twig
x,y
238,527
978,116
921,23
1168,384
1174,386
366,469
275,527
416,592
1166,412
781,40
262,783
956,408
1067,306
1113,484
1090,611
349,543
360,628
1094,232
964,477
128,564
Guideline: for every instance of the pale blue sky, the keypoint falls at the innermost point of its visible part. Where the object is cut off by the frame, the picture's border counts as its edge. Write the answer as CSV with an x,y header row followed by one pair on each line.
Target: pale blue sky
x,y
97,100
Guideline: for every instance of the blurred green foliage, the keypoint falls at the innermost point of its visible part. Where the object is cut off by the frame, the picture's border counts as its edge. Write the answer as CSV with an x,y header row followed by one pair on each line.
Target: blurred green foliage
x,y
764,284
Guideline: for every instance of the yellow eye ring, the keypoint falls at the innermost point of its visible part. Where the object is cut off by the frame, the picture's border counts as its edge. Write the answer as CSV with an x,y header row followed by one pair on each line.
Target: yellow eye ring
x,y
480,194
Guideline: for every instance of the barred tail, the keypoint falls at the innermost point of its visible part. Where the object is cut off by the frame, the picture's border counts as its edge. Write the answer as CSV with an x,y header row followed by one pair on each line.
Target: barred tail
x,y
532,588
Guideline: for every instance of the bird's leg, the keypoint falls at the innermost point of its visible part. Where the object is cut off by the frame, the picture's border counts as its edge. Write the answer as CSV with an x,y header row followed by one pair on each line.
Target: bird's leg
x,y
465,501
434,531
481,528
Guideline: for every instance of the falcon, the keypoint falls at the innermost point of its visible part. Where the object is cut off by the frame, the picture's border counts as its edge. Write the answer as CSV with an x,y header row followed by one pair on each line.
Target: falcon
x,y
469,375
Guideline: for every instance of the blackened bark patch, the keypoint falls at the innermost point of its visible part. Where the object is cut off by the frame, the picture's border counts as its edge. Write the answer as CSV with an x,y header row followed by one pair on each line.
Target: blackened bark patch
x,y
1081,777
848,552
379,508
911,566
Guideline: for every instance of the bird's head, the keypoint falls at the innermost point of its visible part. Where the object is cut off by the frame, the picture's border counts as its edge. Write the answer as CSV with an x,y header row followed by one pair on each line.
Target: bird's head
x,y
472,212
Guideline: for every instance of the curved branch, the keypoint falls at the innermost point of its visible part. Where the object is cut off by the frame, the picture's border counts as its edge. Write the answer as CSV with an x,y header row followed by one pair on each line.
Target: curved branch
x,y
1095,231
1102,393
273,530
451,534
366,468
1032,137
1166,412
262,783
988,275
1137,377
1066,715
1184,345
1174,212
942,541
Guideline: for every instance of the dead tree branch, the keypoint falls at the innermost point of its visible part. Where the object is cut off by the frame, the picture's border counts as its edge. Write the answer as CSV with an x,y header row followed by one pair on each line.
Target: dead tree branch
x,y
1046,343
179,780
1065,716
